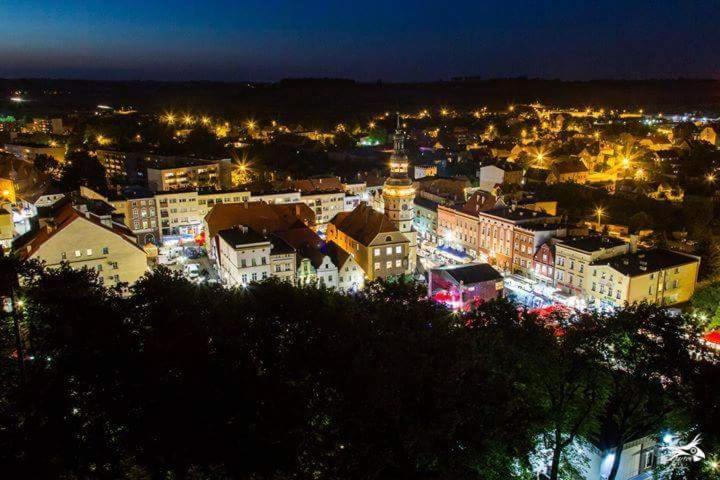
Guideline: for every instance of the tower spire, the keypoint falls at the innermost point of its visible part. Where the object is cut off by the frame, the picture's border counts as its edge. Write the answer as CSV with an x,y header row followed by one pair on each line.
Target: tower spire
x,y
399,138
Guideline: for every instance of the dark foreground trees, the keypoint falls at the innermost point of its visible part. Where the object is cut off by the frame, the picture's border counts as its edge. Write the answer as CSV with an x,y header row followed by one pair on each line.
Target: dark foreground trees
x,y
181,381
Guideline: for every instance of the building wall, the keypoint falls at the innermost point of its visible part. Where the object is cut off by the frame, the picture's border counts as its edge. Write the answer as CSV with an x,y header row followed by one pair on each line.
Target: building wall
x,y
351,276
458,230
181,178
572,266
86,244
325,205
178,213
426,223
249,263
496,240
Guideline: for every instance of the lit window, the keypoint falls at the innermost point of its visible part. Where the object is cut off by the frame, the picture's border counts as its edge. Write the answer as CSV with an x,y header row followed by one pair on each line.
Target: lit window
x,y
388,264
88,252
377,252
398,249
388,251
77,253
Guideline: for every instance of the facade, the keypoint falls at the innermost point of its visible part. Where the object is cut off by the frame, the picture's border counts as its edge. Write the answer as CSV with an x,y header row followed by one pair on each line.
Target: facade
x,y
426,219
496,232
528,238
544,264
172,173
351,276
243,256
398,198
378,247
457,229
86,241
325,204
573,256
461,287
661,277
179,215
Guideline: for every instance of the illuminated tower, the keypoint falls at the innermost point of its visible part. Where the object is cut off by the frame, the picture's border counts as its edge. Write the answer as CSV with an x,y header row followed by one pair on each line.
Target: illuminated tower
x,y
399,196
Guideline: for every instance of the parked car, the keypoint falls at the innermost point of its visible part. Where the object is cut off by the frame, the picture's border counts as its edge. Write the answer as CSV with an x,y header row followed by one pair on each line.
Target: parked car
x,y
192,271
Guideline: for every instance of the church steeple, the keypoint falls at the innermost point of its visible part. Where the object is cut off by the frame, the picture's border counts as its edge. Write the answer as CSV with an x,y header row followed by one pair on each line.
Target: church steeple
x,y
399,138
399,160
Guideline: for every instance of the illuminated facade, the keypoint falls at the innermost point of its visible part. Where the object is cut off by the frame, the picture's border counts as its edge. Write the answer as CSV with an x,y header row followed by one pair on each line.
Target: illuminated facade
x,y
399,197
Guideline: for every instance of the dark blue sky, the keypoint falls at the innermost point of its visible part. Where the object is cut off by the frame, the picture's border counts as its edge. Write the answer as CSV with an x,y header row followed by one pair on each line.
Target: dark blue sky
x,y
366,40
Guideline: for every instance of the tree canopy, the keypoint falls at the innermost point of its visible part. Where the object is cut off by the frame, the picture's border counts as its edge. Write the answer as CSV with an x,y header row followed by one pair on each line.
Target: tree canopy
x,y
272,381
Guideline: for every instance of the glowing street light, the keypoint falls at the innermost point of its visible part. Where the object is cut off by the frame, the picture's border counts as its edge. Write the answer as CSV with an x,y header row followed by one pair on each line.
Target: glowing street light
x,y
371,124
599,212
169,118
205,120
251,124
187,119
710,178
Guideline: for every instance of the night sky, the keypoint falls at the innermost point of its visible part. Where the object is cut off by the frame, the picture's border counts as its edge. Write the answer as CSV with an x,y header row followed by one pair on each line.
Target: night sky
x,y
418,40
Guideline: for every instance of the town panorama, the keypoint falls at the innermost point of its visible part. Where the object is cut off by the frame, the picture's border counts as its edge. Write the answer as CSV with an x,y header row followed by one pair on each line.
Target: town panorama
x,y
388,281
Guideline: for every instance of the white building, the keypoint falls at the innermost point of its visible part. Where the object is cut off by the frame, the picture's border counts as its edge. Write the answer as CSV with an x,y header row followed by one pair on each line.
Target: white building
x,y
244,256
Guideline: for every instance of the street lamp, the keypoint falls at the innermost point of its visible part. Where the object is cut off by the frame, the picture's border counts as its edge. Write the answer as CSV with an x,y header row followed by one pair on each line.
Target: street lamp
x,y
599,212
710,178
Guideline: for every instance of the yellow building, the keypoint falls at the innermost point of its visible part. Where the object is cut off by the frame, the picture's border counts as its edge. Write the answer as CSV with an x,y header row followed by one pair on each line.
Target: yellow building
x,y
376,244
7,228
661,277
86,241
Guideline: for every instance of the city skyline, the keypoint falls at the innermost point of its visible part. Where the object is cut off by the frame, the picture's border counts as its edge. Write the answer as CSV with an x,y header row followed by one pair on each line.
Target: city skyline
x,y
402,41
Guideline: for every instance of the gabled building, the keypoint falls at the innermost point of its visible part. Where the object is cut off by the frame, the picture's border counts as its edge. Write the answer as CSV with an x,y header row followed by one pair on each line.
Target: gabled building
x,y
377,245
84,240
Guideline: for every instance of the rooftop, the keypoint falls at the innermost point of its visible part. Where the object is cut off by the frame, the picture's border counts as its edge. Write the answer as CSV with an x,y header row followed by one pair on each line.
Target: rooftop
x,y
591,243
363,224
514,213
241,235
472,273
644,262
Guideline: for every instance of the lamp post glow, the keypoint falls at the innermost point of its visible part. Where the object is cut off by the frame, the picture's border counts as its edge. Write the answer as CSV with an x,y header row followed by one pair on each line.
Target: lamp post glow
x,y
599,212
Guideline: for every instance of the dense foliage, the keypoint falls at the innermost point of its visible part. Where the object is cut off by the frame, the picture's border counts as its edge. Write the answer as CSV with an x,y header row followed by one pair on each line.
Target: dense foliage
x,y
177,380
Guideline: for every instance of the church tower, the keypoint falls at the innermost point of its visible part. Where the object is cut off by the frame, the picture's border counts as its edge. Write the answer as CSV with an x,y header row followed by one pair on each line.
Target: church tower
x,y
399,196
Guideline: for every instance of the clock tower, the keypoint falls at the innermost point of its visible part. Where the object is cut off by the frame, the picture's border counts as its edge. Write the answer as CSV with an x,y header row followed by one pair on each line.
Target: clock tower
x,y
399,196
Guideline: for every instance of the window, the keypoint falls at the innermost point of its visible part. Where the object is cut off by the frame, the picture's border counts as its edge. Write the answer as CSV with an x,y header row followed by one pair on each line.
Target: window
x,y
377,252
88,252
63,255
388,264
388,251
650,290
105,250
254,276
617,294
594,286
114,265
243,263
264,261
254,262
398,249
572,264
582,267
264,275
377,265
244,278
398,263
99,268
77,253
675,283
